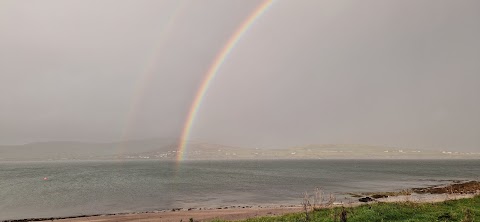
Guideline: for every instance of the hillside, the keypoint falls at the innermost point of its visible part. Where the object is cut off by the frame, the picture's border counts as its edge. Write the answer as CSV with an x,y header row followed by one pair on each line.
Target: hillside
x,y
166,149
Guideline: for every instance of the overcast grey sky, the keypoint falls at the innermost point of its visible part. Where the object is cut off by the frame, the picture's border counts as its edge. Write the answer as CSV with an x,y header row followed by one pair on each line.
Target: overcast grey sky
x,y
402,73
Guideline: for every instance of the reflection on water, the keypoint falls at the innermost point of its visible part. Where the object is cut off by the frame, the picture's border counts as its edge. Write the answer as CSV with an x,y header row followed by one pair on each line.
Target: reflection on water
x,y
90,187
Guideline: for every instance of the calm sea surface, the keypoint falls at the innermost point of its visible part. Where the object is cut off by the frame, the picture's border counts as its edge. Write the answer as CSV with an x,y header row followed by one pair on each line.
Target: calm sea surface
x,y
89,187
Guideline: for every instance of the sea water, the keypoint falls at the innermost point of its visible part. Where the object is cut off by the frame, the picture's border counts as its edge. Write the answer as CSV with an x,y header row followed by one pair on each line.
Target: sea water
x,y
55,189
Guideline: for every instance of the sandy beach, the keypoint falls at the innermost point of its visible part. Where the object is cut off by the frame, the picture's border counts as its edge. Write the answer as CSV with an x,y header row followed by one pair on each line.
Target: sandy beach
x,y
239,213
233,214
197,215
427,195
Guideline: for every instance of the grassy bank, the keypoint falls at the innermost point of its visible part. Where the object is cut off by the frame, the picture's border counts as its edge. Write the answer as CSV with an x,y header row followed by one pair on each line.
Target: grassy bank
x,y
452,210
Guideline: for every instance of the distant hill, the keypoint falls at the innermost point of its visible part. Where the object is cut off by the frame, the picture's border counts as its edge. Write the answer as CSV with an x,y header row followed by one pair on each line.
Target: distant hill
x,y
166,149
67,150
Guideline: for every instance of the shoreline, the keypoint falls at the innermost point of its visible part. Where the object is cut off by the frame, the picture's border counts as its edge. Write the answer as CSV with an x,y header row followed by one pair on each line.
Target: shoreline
x,y
235,212
432,194
231,212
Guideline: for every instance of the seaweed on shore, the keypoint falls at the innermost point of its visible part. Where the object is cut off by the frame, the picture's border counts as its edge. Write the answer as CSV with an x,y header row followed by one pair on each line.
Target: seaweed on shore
x,y
470,187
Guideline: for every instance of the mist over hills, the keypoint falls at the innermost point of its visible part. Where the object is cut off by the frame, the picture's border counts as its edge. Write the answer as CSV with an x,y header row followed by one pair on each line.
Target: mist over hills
x,y
167,149
64,150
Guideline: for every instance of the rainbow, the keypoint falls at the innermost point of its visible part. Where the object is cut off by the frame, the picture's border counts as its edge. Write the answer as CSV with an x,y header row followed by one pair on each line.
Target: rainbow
x,y
213,70
147,73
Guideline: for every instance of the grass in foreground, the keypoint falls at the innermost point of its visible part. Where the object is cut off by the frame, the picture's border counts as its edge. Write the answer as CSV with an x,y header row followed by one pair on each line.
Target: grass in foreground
x,y
465,210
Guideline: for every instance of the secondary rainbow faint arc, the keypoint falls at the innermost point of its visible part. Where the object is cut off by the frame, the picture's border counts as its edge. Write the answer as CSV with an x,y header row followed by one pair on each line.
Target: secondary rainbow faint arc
x,y
213,70
147,73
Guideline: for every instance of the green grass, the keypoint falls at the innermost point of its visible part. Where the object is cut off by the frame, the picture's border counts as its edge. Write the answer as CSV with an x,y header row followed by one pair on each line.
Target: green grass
x,y
453,210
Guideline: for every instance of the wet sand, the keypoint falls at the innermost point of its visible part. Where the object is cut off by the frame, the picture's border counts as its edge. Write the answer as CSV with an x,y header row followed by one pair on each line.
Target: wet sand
x,y
197,215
